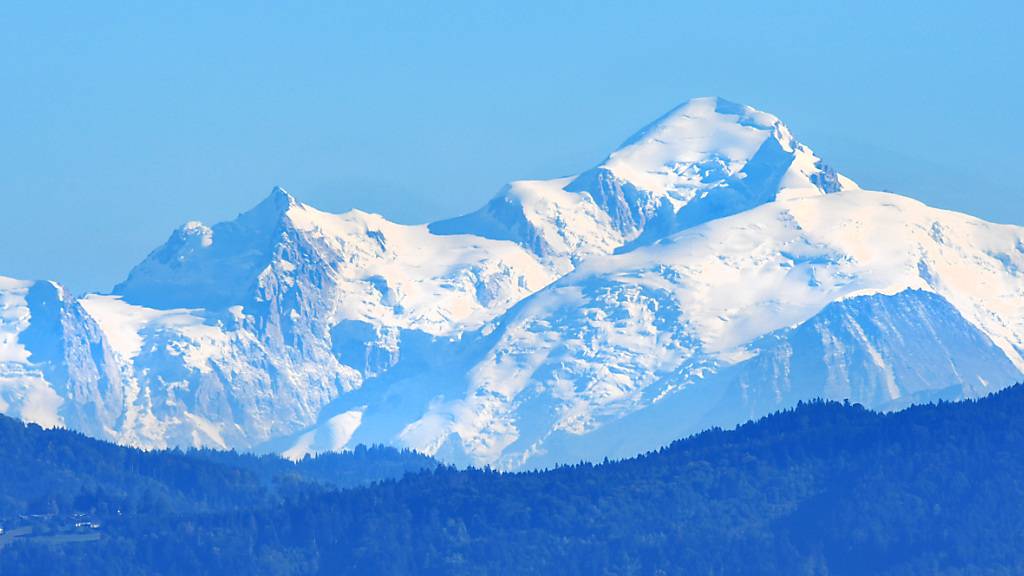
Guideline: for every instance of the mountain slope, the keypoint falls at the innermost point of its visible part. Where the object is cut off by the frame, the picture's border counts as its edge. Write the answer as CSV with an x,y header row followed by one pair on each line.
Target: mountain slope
x,y
56,366
242,332
624,332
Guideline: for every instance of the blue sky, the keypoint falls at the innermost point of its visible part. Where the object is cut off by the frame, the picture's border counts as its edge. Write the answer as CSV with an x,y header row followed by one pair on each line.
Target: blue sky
x,y
123,120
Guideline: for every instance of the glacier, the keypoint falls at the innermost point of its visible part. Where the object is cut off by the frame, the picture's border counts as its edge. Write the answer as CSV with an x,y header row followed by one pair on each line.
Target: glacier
x,y
710,270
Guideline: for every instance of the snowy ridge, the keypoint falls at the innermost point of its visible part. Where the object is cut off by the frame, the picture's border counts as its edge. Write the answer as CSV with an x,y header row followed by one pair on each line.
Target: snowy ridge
x,y
710,269
624,331
235,334
375,269
705,159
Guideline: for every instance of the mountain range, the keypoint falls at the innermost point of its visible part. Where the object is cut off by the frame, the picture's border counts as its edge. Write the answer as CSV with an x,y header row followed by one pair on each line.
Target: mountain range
x,y
710,270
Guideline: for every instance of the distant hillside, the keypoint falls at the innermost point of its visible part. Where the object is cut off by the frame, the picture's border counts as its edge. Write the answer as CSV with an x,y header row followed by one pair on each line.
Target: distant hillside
x,y
825,488
60,472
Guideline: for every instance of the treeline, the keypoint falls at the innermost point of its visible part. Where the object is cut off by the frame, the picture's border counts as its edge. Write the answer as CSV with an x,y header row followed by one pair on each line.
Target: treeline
x,y
825,488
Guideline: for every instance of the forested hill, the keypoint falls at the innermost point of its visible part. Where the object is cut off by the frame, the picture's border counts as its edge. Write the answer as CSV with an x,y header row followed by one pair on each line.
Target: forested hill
x,y
60,472
825,488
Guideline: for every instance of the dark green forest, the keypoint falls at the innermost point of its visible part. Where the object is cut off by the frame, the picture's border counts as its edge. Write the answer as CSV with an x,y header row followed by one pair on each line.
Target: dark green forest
x,y
824,488
61,473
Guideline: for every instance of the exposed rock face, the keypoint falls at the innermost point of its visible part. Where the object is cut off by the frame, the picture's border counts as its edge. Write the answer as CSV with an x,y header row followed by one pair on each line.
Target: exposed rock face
x,y
59,369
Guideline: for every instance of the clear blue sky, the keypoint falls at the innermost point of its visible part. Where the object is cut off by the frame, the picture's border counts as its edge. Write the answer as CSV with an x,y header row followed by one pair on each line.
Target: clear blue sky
x,y
122,120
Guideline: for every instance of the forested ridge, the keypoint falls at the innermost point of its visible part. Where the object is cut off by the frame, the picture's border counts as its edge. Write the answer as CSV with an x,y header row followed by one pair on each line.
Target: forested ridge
x,y
824,488
61,472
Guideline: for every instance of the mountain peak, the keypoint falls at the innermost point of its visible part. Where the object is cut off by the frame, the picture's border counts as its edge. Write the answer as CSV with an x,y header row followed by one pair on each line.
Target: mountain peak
x,y
701,120
704,106
704,159
267,216
217,263
279,200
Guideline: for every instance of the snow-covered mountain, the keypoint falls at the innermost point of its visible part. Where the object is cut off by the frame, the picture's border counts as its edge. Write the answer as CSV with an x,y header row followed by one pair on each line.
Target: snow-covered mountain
x,y
705,159
860,295
710,270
